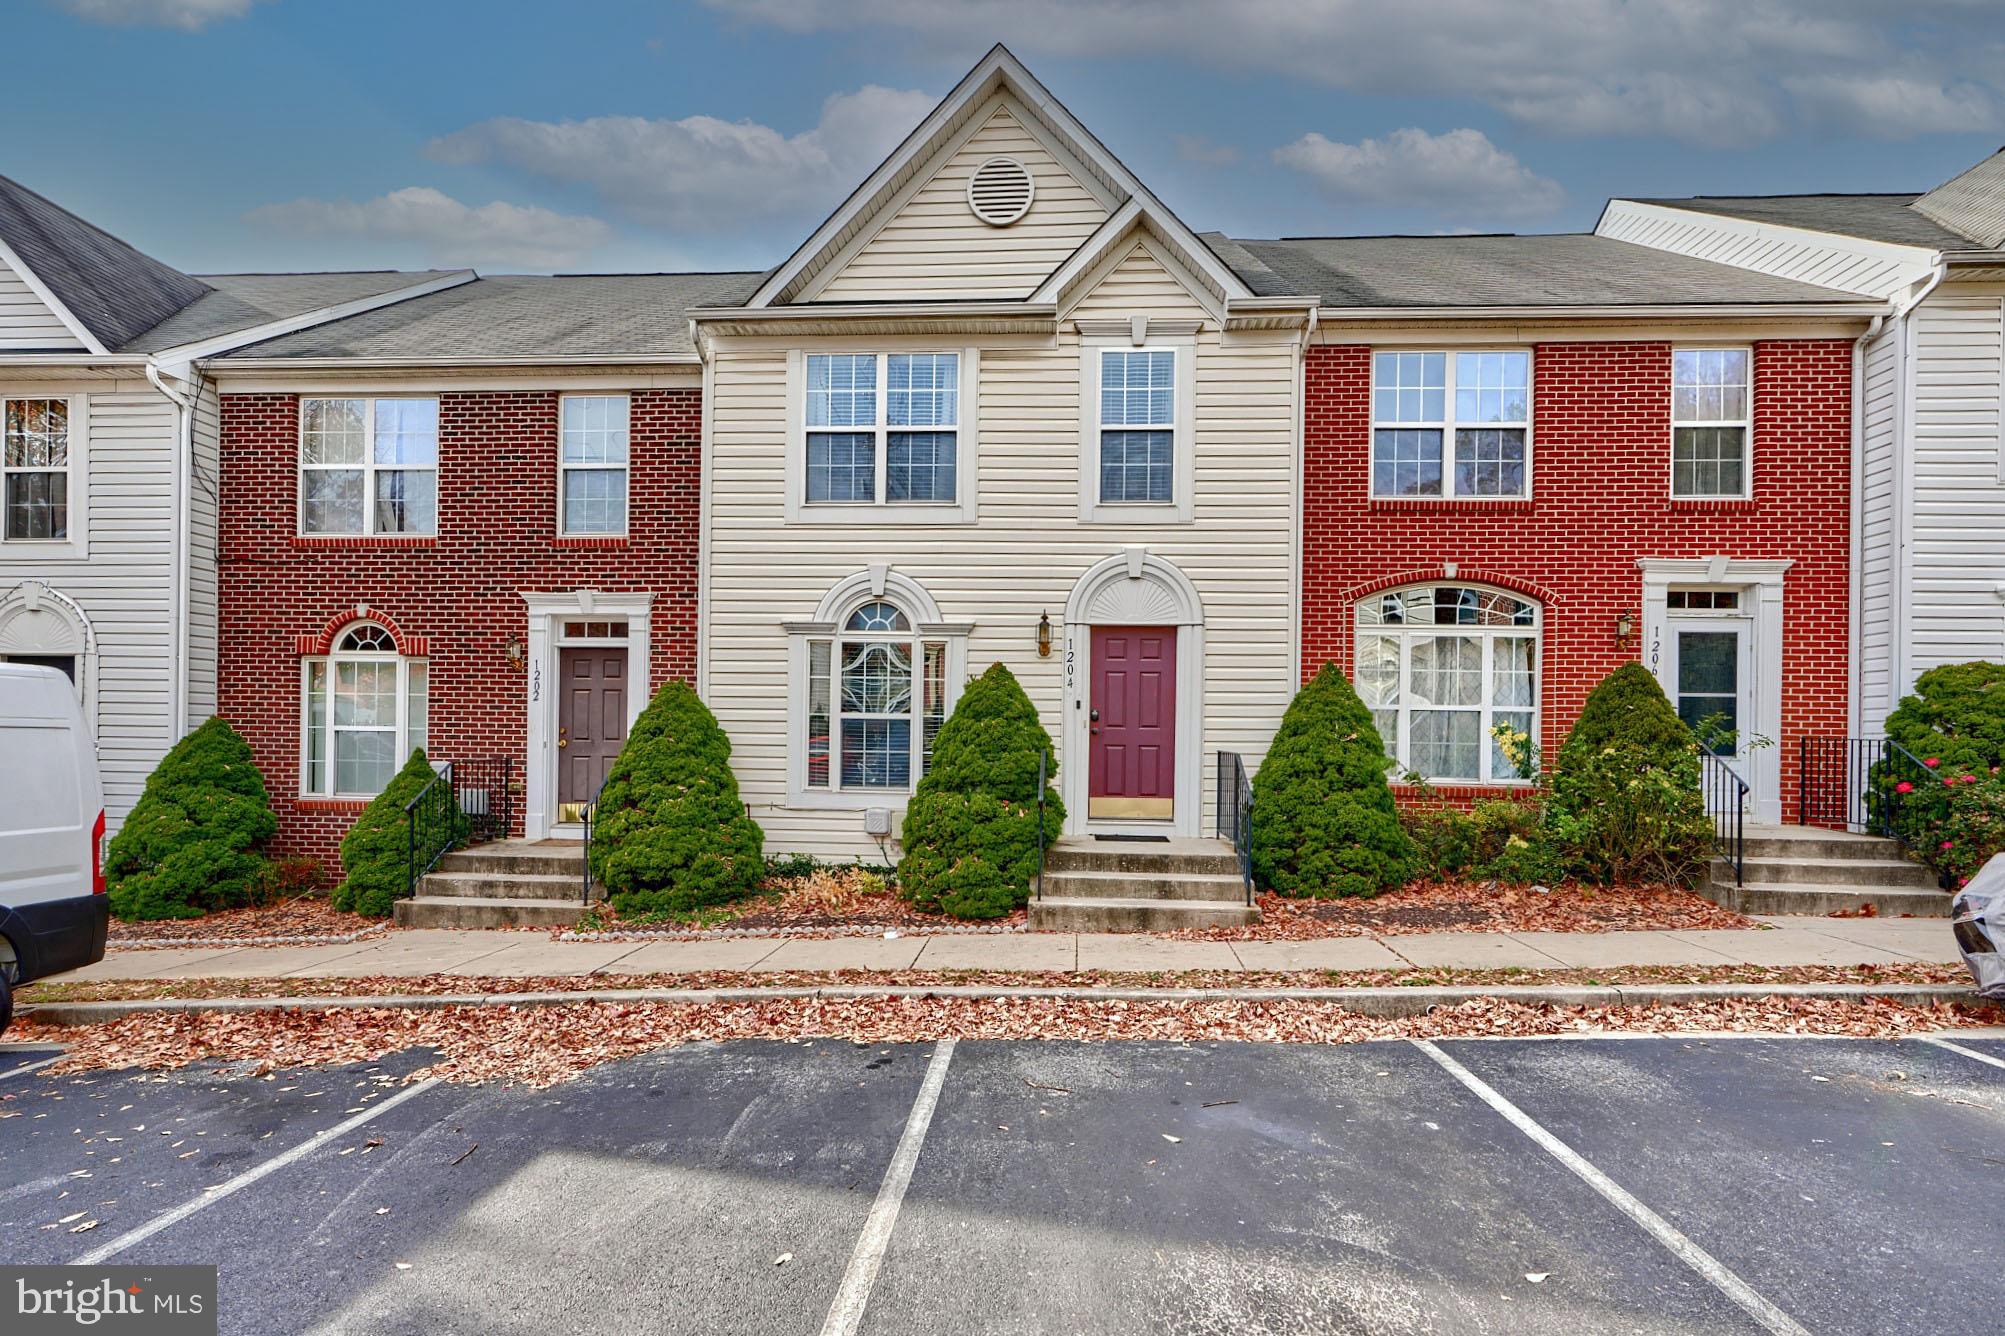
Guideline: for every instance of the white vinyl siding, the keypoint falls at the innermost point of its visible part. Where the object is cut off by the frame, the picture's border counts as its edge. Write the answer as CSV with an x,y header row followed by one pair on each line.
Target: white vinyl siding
x,y
26,322
203,545
1879,506
1874,269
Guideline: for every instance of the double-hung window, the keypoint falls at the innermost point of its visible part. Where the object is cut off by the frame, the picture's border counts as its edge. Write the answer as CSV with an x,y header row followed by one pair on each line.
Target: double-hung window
x,y
882,429
593,463
1451,424
1441,667
368,466
363,712
1710,420
1138,422
876,697
35,462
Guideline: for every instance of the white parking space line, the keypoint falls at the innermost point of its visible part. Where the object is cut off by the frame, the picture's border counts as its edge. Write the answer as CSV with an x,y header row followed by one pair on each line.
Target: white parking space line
x,y
27,1067
1691,1254
277,1162
846,1313
1958,1048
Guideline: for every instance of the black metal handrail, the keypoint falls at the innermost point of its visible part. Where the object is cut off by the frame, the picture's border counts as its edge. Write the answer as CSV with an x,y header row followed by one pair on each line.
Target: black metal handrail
x,y
432,825
591,810
1042,758
1726,803
1874,785
1235,813
485,787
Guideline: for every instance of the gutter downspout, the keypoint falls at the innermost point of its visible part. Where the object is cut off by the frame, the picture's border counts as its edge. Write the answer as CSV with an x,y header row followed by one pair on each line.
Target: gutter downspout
x,y
1903,553
184,463
1855,650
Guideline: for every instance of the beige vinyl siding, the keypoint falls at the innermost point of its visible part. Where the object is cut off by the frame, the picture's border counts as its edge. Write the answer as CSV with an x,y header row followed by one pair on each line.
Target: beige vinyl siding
x,y
26,322
1024,555
935,246
1827,260
202,553
1958,557
1878,509
1138,284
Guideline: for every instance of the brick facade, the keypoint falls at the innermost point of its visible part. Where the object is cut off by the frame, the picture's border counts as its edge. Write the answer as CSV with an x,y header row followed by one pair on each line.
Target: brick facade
x,y
456,597
1600,500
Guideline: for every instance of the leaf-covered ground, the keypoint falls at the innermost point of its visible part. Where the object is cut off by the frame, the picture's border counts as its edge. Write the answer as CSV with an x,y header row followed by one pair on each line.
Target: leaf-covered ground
x,y
1471,906
304,918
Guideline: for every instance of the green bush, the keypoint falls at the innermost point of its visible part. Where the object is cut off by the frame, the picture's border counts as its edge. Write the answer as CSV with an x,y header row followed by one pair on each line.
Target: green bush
x,y
191,843
1324,822
971,834
1625,802
376,852
670,833
1954,725
1499,838
1955,716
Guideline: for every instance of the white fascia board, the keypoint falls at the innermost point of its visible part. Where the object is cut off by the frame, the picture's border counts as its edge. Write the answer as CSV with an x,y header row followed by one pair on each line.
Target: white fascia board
x,y
234,364
1852,310
243,338
77,327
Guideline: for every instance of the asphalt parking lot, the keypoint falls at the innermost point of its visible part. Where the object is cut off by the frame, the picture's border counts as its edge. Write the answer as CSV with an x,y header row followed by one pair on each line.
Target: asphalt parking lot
x,y
1600,1185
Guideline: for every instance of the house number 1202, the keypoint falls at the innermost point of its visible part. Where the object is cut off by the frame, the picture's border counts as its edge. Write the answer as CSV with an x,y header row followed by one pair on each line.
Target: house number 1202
x,y
535,682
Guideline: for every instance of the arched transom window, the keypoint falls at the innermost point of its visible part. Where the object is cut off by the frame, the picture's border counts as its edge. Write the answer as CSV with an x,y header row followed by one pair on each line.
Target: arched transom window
x,y
876,697
1442,667
363,712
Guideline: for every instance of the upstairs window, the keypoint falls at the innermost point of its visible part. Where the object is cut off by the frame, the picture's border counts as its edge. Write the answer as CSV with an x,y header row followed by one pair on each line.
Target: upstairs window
x,y
883,429
368,466
1440,667
1451,424
593,462
1710,421
363,712
1138,422
35,466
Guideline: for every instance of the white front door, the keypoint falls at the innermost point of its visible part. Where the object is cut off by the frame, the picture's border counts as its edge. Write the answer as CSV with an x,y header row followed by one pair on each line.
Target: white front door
x,y
1710,679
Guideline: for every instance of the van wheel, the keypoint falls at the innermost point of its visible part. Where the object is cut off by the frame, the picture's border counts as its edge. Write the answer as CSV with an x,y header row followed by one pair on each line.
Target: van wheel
x,y
6,1002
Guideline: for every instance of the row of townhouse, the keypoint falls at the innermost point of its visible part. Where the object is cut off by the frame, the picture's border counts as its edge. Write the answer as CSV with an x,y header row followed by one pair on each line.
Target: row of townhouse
x,y
1004,406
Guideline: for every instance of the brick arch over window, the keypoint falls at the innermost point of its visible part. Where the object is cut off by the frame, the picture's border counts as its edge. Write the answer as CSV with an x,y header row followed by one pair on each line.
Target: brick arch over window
x,y
410,646
1458,574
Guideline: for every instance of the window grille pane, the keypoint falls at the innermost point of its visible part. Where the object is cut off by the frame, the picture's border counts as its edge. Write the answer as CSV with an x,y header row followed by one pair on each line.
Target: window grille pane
x,y
1708,461
1447,670
417,705
1511,660
1709,385
1138,389
933,710
407,432
877,616
366,638
876,753
315,724
1135,466
923,389
365,694
1409,387
842,390
38,505
818,714
1492,387
595,500
919,466
407,501
364,761
1501,765
1406,463
595,429
1448,744
331,501
333,431
876,678
842,467
37,433
1490,462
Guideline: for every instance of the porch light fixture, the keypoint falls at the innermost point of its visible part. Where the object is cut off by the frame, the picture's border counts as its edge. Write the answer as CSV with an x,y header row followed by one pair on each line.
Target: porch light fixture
x,y
515,652
1043,635
1625,629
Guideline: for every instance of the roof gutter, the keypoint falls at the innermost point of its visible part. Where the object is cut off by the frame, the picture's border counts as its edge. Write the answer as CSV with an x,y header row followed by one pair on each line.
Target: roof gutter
x,y
783,315
1851,310
430,363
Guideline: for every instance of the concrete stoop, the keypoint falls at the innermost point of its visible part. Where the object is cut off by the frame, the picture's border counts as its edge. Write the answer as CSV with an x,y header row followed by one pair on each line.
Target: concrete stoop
x,y
1096,885
1807,870
508,884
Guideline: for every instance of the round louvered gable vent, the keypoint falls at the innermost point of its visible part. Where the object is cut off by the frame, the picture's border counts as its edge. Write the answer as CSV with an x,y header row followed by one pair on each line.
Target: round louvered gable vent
x,y
999,192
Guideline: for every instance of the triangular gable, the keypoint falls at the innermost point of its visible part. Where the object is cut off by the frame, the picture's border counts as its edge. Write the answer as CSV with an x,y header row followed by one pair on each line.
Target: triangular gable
x,y
28,323
1138,276
999,74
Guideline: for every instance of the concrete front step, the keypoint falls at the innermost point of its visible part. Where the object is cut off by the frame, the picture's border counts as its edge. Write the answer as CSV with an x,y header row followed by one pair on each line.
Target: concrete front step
x,y
520,886
1083,853
1150,885
1135,915
1890,873
453,911
1818,900
512,859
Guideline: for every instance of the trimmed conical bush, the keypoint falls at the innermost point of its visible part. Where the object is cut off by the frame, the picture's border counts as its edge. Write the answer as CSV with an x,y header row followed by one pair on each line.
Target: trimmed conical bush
x,y
670,833
1324,822
1625,802
970,834
191,843
376,852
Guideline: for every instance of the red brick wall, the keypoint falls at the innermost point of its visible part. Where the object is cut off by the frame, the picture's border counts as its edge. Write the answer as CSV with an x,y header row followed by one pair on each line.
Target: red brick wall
x,y
460,591
1600,501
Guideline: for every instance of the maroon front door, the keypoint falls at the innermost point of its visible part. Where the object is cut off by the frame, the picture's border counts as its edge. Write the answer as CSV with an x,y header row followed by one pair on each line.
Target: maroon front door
x,y
1132,753
591,723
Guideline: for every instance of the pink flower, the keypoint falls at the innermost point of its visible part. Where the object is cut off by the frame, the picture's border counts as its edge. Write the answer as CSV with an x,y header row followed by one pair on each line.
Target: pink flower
x,y
1932,761
1949,783
1949,844
1904,787
1970,779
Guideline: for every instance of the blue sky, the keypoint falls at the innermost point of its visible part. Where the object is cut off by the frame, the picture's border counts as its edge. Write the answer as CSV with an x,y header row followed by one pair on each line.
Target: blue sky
x,y
520,135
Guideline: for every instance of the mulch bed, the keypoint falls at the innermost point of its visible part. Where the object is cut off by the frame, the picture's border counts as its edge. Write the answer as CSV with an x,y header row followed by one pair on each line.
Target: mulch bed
x,y
547,1045
1469,906
831,902
307,919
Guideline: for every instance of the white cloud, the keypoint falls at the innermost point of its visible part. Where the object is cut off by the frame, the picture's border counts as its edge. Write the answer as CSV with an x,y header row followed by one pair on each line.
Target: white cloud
x,y
701,174
444,230
187,15
1720,72
1458,174
1206,152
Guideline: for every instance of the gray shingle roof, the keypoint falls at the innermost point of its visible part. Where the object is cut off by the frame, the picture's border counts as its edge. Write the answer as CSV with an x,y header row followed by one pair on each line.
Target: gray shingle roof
x,y
1972,202
241,301
1886,218
1558,270
517,315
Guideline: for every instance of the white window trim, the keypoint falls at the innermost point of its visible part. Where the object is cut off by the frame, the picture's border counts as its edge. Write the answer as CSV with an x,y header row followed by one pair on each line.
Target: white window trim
x,y
1745,422
564,470
77,545
1183,464
877,583
403,726
1488,636
368,466
1450,424
961,510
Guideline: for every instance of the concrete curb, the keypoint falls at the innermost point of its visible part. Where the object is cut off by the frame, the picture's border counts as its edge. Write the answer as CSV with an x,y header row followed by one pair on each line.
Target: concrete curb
x,y
1384,1002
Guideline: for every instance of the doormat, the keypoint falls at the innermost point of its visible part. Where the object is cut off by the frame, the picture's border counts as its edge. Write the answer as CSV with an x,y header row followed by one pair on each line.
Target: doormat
x,y
1134,839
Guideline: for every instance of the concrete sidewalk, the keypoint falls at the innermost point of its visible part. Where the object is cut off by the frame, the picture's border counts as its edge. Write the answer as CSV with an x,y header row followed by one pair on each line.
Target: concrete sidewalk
x,y
479,954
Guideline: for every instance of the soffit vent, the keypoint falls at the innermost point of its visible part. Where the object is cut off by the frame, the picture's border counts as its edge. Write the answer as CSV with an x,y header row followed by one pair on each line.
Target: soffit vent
x,y
999,192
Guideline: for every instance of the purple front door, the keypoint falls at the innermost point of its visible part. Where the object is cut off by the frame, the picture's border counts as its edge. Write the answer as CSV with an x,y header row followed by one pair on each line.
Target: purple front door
x,y
1131,759
591,721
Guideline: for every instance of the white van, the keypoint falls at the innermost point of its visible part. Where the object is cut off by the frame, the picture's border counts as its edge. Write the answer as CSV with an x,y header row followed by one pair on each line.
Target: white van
x,y
53,908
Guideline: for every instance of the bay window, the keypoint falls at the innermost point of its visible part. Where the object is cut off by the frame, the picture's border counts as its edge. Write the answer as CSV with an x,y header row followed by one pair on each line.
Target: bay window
x,y
363,712
1441,667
